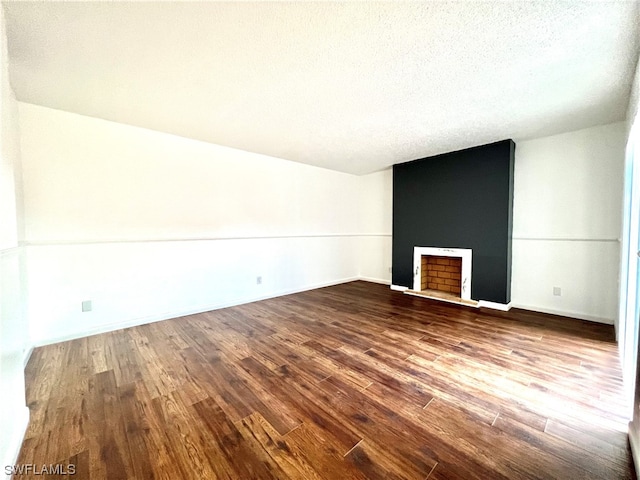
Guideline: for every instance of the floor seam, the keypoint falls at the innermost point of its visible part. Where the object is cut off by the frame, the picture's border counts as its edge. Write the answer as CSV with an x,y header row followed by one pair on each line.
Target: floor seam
x,y
351,449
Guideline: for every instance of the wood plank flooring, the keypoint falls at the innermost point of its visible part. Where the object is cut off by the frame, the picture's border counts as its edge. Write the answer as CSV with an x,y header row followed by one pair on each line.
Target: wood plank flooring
x,y
347,382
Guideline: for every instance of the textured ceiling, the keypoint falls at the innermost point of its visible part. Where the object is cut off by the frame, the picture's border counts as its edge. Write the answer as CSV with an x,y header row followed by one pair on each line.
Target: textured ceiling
x,y
353,87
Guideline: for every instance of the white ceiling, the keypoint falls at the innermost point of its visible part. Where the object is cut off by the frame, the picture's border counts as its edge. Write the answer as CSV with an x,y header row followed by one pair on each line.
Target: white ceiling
x,y
354,87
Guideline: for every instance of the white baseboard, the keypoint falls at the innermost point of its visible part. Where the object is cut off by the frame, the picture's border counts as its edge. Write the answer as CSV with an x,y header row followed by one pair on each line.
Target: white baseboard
x,y
374,280
16,437
27,356
580,316
506,307
494,305
134,322
399,288
634,441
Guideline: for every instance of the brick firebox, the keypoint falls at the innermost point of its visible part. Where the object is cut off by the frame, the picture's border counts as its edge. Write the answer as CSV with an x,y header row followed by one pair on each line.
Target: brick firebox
x,y
441,273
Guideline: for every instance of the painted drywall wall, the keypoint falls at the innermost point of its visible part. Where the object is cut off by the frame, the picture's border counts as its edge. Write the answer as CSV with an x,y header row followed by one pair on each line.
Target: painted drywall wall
x,y
374,223
148,225
87,179
634,99
131,283
566,222
14,414
9,159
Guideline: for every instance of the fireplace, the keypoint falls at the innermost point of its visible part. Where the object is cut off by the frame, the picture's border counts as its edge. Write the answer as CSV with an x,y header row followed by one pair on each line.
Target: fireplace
x,y
441,273
446,271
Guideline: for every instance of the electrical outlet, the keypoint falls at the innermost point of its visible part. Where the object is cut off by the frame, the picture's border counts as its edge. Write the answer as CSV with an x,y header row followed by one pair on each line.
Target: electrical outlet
x,y
557,291
389,269
259,280
86,306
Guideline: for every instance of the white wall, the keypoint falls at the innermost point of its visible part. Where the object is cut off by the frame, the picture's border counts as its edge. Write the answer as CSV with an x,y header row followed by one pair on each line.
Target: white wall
x,y
9,161
375,223
566,222
14,414
87,180
634,99
148,225
136,282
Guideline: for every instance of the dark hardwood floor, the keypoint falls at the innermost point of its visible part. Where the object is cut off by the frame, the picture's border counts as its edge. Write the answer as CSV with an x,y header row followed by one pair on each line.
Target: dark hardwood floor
x,y
347,382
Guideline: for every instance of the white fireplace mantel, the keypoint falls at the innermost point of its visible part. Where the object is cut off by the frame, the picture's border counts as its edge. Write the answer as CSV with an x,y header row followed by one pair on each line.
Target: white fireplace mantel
x,y
463,253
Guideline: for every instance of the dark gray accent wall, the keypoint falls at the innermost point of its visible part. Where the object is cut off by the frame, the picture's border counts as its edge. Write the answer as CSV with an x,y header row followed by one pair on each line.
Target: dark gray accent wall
x,y
461,199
